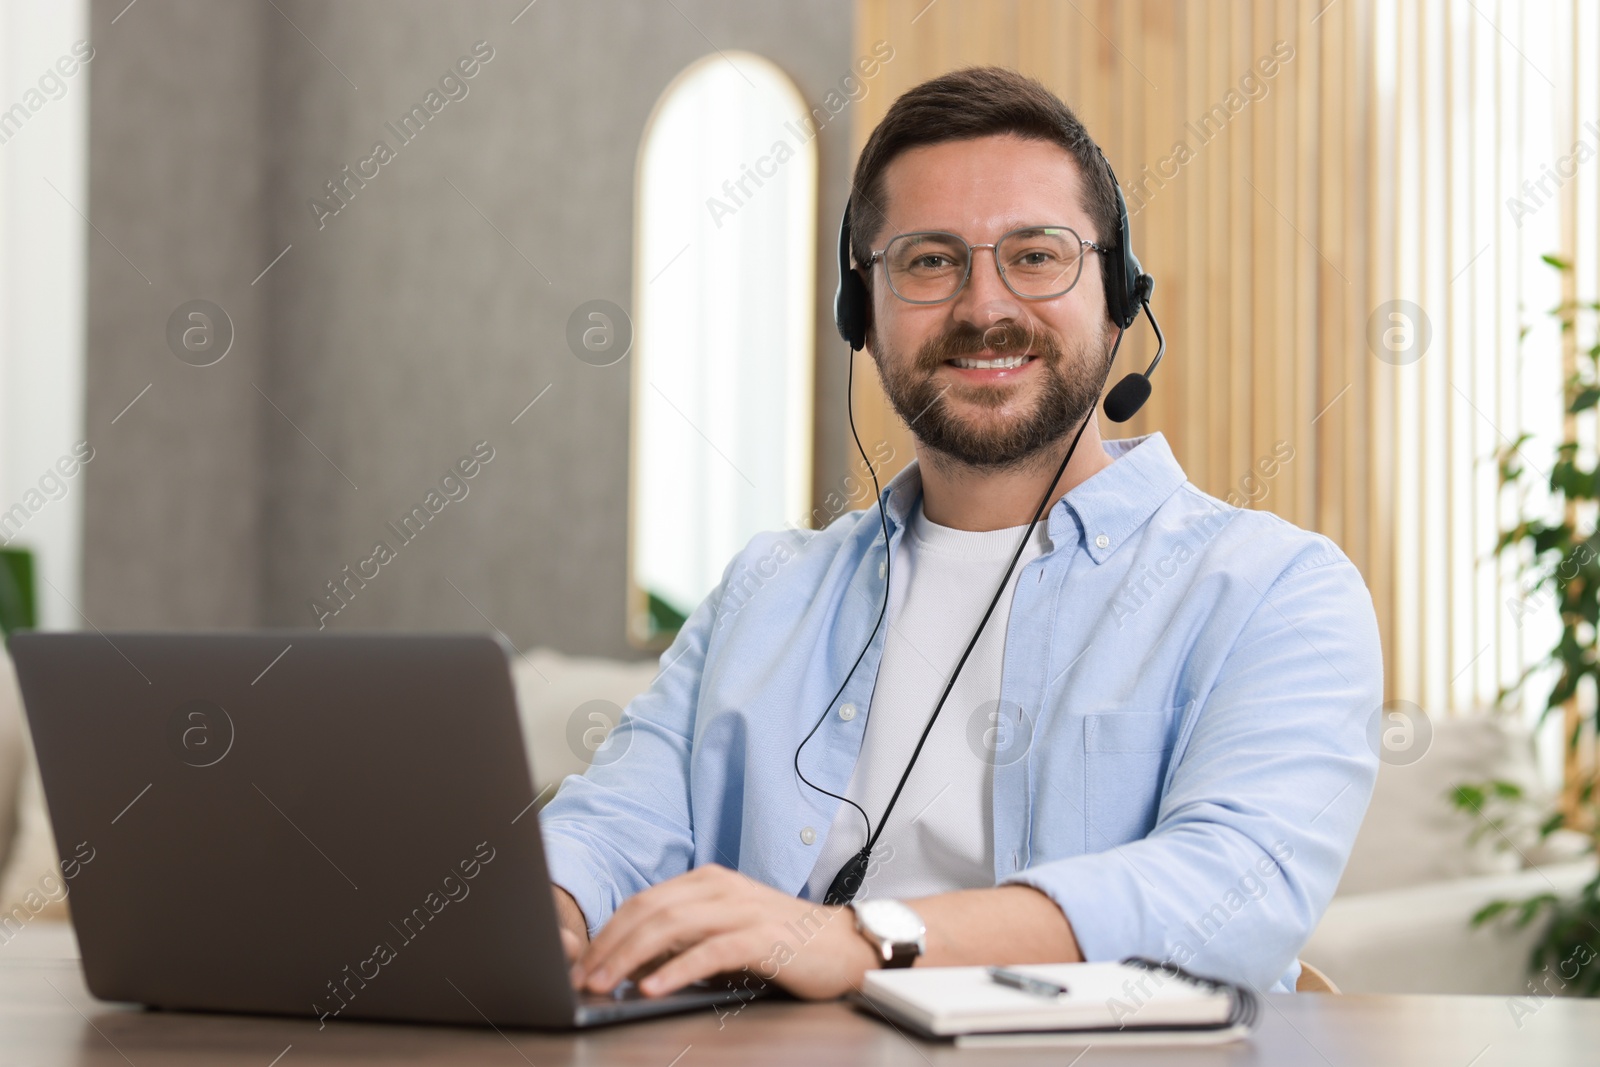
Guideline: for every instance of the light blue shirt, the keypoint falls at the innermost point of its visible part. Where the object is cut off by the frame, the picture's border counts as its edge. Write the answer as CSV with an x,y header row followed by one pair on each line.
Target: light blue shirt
x,y
1196,684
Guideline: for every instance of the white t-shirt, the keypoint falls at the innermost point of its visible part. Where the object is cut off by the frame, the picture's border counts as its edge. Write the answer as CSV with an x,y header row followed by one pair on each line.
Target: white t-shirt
x,y
940,836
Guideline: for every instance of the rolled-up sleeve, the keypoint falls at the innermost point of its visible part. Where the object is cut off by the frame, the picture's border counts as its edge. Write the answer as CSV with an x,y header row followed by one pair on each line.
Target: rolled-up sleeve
x,y
1263,802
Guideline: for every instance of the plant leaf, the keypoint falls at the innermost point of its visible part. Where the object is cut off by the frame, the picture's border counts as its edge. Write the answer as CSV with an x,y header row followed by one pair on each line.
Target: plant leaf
x,y
1489,911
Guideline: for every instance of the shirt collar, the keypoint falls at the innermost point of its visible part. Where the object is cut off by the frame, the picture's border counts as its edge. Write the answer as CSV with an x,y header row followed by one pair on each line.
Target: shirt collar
x,y
1107,508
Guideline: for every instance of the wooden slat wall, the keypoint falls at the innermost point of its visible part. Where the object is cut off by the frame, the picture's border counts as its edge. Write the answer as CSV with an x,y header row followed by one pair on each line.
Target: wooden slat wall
x,y
1377,167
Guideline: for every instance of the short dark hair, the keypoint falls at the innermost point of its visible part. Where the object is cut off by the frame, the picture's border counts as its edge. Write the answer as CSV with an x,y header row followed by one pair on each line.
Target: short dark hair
x,y
970,103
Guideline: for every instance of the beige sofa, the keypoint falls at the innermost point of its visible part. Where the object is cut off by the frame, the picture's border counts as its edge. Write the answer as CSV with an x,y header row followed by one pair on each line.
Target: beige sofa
x,y
1399,923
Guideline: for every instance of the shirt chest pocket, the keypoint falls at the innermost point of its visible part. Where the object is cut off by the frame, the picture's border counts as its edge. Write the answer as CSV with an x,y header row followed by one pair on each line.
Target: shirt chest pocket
x,y
1125,756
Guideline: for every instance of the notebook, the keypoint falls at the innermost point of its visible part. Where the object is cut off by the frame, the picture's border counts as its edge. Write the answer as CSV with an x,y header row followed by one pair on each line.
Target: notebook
x,y
1137,1001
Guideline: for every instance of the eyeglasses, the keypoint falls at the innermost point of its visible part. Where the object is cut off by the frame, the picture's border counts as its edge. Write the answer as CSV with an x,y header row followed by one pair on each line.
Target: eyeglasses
x,y
1035,262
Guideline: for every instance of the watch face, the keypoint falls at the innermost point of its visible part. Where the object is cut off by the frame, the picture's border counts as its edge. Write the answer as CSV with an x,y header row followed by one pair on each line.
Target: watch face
x,y
891,920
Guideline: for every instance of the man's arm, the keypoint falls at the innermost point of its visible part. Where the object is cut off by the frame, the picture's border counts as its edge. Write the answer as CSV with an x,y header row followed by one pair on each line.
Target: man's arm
x,y
624,825
1006,924
1264,801
714,920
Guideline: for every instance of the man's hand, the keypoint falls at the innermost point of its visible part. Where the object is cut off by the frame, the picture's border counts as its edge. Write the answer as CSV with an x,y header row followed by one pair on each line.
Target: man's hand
x,y
713,920
574,928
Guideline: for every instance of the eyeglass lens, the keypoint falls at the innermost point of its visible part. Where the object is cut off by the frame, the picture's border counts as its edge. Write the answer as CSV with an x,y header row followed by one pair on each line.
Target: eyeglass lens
x,y
929,267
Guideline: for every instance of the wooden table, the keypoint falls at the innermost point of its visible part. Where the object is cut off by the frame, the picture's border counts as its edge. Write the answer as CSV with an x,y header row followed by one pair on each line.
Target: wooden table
x,y
47,1018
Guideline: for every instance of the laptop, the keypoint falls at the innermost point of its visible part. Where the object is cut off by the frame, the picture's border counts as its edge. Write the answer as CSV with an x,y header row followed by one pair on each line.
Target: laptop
x,y
327,826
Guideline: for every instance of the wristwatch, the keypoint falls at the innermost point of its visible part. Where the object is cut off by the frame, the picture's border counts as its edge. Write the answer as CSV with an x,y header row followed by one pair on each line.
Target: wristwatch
x,y
897,933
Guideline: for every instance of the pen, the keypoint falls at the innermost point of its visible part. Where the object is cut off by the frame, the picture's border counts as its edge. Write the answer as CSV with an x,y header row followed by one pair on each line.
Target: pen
x,y
1039,987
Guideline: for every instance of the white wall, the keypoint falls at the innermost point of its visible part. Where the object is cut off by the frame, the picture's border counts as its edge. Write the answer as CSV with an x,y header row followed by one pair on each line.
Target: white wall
x,y
42,284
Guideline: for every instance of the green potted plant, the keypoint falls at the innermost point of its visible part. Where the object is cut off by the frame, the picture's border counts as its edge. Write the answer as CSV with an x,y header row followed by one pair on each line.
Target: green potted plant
x,y
1561,556
17,610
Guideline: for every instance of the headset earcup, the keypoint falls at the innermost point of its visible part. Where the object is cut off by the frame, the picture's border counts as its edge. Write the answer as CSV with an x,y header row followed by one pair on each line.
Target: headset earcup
x,y
851,308
1123,279
852,305
1116,294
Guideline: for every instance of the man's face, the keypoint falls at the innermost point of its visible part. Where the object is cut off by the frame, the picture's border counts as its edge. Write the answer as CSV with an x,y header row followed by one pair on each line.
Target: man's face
x,y
989,417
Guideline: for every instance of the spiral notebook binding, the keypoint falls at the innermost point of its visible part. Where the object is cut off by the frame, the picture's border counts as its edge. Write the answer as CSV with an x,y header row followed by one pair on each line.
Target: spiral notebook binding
x,y
1244,1004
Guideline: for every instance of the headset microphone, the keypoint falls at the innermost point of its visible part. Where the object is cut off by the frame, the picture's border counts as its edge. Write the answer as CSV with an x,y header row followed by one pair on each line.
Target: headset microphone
x,y
1127,289
1129,395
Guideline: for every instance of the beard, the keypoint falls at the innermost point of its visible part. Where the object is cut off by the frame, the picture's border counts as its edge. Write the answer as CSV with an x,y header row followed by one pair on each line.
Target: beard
x,y
1070,384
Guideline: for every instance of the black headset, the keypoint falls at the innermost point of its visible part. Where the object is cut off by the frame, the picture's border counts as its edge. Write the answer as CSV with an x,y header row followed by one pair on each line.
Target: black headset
x,y
1127,291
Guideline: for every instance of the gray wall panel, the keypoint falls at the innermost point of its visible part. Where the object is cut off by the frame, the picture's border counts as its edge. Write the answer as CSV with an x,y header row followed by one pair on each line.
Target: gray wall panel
x,y
172,535
408,327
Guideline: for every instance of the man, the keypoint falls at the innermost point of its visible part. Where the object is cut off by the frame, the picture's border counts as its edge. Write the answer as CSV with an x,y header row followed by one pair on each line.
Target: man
x,y
1158,744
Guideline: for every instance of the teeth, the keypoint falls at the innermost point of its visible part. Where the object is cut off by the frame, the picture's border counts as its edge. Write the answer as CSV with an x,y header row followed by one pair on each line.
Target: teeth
x,y
1003,363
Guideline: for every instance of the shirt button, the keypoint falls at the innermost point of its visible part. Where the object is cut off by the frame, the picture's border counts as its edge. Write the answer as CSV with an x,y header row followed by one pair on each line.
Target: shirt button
x,y
1102,541
808,835
883,567
846,712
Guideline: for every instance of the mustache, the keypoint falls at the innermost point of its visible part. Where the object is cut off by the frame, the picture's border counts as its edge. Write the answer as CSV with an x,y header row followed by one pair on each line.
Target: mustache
x,y
1006,336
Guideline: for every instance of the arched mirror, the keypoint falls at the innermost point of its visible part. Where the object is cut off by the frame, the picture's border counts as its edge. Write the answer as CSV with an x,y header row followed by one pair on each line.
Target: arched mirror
x,y
724,299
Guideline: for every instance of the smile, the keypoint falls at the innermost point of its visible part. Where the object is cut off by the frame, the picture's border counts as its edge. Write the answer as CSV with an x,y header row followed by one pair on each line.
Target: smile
x,y
992,362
